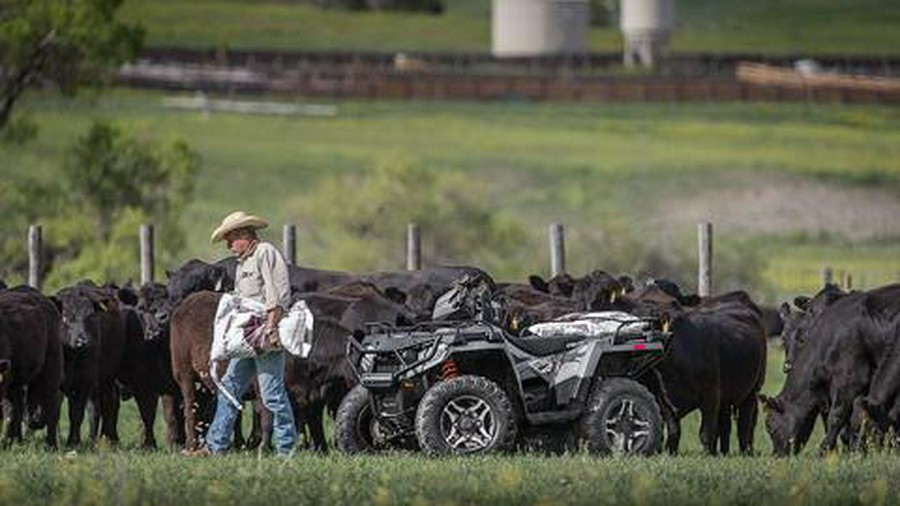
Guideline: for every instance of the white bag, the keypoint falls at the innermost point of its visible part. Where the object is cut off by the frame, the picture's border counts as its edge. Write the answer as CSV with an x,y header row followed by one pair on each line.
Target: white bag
x,y
240,320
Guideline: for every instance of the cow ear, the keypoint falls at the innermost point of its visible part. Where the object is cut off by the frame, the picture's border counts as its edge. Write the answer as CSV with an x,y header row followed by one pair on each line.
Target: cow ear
x,y
538,283
169,274
395,294
802,302
771,403
784,311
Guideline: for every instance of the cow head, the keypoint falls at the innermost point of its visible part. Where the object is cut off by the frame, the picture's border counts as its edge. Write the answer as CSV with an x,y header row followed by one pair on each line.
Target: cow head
x,y
797,323
560,285
80,308
789,425
155,310
596,291
197,275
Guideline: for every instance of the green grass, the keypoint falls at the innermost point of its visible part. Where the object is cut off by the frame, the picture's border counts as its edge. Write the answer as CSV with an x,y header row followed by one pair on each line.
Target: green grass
x,y
29,475
587,165
167,479
768,26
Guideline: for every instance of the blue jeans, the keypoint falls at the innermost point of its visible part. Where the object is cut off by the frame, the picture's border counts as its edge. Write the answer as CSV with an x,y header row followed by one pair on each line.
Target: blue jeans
x,y
269,370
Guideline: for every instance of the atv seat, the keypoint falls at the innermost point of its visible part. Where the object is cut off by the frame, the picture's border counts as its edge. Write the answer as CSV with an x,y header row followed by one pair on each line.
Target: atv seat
x,y
542,346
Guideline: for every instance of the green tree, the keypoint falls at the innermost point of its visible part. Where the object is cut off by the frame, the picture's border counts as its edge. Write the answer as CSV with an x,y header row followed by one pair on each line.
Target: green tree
x,y
70,43
112,181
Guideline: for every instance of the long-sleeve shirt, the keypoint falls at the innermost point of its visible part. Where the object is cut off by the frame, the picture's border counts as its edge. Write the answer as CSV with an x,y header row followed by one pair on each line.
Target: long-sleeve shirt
x,y
262,275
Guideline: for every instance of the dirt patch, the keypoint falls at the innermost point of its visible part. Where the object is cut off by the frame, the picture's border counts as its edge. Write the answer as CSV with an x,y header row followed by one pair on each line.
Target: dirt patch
x,y
767,204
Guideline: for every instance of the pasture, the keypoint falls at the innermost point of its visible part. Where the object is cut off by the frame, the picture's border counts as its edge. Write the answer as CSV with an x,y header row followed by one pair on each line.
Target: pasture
x,y
794,26
30,475
802,186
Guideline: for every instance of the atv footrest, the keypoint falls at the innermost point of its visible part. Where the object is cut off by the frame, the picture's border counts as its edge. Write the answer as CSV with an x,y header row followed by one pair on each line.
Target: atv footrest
x,y
377,380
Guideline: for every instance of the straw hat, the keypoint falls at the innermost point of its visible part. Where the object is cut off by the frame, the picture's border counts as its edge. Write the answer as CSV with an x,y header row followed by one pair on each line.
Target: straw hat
x,y
236,220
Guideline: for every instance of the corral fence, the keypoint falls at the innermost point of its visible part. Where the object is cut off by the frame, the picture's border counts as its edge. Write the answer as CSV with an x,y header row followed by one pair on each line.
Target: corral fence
x,y
478,76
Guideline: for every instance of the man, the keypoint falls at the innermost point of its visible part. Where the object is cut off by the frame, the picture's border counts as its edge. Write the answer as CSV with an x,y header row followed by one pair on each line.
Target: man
x,y
261,275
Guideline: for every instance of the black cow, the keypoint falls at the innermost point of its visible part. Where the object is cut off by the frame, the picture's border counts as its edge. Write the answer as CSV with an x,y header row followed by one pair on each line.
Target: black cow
x,y
93,345
321,381
832,363
31,361
196,275
715,362
595,291
147,371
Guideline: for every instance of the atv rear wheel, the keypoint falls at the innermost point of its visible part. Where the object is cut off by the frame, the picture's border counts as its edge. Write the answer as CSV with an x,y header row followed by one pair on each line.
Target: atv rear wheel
x,y
465,415
622,419
354,424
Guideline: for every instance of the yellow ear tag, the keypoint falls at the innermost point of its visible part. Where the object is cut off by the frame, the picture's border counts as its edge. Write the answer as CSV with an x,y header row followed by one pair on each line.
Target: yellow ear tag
x,y
102,305
514,324
665,326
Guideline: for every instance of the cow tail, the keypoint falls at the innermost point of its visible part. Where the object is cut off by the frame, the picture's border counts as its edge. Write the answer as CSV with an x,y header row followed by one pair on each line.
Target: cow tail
x,y
219,385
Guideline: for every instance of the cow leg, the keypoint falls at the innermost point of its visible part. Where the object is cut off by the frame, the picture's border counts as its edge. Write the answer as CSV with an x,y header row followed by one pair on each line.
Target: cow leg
x,y
147,401
747,413
48,395
190,414
77,403
16,404
109,412
174,420
709,421
725,429
838,417
316,428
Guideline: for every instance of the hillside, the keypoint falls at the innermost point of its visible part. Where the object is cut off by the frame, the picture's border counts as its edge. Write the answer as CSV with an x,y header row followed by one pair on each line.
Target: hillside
x,y
763,26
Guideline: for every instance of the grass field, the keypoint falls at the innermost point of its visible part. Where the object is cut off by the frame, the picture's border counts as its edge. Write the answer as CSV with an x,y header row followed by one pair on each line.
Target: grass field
x,y
132,478
587,165
29,475
768,26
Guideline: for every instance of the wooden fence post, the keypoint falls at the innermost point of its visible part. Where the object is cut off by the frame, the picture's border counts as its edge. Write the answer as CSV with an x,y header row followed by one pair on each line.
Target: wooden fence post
x,y
289,244
557,249
413,248
705,257
147,253
35,245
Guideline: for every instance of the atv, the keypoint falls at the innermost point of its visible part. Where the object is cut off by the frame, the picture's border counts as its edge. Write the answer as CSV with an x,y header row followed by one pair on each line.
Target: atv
x,y
465,384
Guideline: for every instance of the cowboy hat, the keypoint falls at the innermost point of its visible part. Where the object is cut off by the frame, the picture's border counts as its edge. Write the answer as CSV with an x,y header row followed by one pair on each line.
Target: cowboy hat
x,y
236,220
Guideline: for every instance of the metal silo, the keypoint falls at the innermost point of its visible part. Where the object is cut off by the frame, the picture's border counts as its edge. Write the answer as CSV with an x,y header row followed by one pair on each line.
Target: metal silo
x,y
540,27
646,27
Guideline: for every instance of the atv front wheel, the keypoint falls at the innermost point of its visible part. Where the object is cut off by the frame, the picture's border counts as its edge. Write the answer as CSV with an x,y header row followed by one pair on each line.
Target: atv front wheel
x,y
354,423
622,419
465,415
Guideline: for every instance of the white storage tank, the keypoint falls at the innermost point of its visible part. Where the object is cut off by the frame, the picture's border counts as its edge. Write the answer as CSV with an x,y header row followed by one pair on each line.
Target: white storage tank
x,y
540,27
646,27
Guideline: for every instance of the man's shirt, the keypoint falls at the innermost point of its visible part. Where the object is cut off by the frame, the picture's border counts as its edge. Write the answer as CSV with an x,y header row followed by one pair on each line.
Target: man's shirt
x,y
262,275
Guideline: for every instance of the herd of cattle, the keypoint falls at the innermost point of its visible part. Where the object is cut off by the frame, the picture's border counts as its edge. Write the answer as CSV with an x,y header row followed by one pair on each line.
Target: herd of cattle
x,y
97,345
